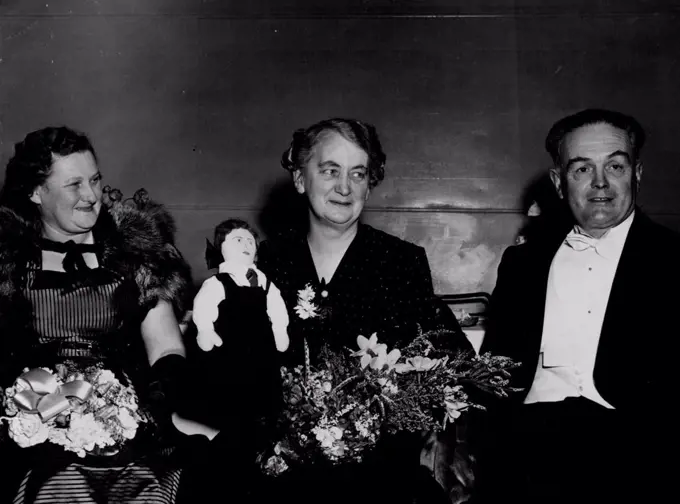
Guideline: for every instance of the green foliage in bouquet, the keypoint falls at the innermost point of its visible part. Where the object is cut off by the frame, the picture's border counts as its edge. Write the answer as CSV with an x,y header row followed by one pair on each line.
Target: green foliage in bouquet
x,y
338,410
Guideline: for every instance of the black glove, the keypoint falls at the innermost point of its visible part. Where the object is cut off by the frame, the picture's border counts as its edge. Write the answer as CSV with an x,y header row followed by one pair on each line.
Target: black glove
x,y
167,380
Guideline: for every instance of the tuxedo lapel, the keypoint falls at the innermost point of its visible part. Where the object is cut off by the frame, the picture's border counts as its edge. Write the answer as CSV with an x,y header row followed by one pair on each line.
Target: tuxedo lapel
x,y
616,336
534,278
536,291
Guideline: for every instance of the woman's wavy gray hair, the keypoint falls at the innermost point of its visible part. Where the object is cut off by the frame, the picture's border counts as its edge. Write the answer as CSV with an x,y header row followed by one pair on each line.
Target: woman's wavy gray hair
x,y
362,134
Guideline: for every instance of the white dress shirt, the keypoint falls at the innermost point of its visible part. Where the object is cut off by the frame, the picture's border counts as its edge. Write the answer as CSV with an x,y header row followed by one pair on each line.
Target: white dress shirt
x,y
579,283
211,294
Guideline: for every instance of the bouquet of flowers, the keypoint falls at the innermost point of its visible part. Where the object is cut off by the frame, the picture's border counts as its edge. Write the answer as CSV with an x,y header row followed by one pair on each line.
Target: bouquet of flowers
x,y
85,410
337,411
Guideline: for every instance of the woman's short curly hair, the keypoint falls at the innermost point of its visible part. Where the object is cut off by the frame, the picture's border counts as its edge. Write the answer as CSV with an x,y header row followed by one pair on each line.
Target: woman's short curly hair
x,y
32,164
362,134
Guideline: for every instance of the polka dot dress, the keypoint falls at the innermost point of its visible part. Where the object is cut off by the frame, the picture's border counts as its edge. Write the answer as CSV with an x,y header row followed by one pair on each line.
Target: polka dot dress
x,y
383,284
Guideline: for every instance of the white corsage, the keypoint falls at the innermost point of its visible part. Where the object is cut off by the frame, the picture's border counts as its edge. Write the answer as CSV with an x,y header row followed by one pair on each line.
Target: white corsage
x,y
305,308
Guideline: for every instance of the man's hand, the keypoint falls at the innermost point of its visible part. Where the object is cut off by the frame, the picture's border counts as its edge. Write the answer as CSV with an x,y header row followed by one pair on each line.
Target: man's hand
x,y
191,427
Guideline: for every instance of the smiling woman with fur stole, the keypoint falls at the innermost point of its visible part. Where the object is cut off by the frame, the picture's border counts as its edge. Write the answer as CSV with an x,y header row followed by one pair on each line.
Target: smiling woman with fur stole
x,y
83,283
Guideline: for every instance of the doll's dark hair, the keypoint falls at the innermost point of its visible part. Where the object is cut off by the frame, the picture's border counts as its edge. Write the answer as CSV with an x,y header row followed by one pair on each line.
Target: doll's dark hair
x,y
223,229
362,134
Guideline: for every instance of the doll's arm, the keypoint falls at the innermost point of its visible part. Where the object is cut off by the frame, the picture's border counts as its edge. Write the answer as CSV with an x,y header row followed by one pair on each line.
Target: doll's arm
x,y
205,313
278,315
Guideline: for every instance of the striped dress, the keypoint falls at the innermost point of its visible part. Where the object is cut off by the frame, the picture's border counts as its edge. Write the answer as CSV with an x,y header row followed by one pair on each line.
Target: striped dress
x,y
79,322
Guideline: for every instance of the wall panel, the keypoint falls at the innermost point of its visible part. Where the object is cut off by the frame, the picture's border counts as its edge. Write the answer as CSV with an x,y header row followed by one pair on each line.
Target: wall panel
x,y
196,101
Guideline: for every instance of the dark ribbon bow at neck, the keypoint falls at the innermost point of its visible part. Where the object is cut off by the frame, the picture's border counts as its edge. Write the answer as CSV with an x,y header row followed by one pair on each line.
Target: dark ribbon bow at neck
x,y
73,259
579,241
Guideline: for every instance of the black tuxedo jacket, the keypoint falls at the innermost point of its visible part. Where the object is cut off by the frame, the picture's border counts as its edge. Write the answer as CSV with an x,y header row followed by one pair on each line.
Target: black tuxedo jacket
x,y
638,350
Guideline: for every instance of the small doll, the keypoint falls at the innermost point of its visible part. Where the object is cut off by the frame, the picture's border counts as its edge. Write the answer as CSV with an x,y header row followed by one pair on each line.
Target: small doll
x,y
233,254
242,324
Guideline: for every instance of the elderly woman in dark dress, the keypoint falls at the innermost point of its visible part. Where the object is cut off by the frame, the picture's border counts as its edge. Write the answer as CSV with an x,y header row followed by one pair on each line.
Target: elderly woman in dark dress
x,y
365,280
87,284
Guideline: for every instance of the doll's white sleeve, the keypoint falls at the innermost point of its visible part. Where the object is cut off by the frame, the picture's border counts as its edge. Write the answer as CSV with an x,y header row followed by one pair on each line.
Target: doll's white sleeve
x,y
278,315
206,302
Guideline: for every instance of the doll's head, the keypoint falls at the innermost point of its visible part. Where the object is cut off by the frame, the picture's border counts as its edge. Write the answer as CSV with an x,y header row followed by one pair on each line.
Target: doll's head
x,y
237,241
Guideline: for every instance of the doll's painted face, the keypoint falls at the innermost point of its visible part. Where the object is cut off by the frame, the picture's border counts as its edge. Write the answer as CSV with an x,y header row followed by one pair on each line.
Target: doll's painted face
x,y
239,247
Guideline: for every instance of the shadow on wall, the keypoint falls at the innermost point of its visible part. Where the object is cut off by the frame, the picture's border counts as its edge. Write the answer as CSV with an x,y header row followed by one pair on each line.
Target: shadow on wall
x,y
545,210
284,210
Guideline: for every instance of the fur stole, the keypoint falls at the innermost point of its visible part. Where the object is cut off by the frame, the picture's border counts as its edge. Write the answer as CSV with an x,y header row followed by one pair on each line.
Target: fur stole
x,y
136,245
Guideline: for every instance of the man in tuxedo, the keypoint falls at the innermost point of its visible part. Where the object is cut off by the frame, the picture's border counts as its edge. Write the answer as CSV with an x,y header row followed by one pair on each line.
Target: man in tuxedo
x,y
589,309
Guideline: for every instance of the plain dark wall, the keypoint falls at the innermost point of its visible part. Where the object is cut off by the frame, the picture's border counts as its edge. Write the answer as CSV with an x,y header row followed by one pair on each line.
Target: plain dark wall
x,y
196,101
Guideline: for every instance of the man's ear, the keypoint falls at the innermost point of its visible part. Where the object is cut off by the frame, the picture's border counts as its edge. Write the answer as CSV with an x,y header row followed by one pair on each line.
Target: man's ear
x,y
638,175
35,196
299,181
556,179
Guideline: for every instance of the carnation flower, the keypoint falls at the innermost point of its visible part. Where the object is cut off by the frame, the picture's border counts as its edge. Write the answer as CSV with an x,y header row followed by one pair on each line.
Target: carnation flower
x,y
27,429
10,406
85,433
276,465
106,376
128,423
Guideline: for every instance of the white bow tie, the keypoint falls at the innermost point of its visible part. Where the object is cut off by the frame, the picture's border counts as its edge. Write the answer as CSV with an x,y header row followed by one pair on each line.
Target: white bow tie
x,y
580,242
